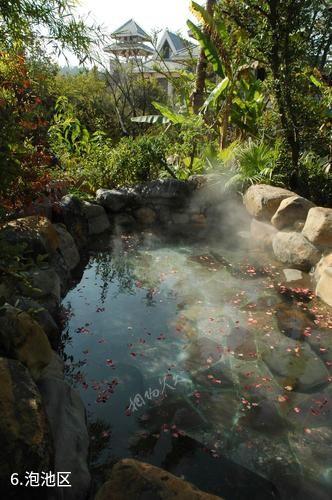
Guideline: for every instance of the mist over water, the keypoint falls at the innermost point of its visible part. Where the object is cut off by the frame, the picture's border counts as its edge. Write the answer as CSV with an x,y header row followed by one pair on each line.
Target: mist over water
x,y
190,341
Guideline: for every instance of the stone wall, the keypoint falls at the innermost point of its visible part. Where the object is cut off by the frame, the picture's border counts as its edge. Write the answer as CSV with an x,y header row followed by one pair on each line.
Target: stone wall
x,y
42,419
298,232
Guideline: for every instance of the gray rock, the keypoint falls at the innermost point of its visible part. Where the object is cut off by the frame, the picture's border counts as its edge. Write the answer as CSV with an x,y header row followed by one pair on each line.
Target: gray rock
x,y
92,210
26,443
318,227
262,201
145,215
292,275
262,234
291,211
99,224
164,213
165,189
41,315
180,218
116,200
324,286
68,247
22,338
124,221
323,278
54,369
132,479
299,367
67,419
323,264
294,249
36,233
98,221
70,212
44,282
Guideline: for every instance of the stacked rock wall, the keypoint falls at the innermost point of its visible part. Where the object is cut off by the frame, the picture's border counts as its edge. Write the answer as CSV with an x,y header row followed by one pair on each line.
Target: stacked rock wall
x,y
298,232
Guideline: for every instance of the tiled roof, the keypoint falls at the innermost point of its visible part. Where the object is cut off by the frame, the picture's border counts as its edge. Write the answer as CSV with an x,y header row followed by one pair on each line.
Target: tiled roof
x,y
177,41
130,28
121,47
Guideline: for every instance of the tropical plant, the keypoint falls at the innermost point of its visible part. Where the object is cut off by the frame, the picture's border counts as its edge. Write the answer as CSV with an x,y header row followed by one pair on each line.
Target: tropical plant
x,y
316,174
67,134
249,163
288,38
237,99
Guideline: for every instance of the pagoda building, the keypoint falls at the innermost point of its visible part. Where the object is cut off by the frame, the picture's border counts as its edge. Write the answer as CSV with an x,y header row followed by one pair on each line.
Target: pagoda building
x,y
130,40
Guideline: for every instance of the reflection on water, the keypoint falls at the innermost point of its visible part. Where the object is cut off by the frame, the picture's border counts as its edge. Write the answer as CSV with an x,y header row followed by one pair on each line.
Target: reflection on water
x,y
201,360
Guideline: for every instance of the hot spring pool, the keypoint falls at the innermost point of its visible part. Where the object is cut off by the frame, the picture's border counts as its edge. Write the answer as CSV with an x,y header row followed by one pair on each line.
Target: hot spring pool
x,y
199,359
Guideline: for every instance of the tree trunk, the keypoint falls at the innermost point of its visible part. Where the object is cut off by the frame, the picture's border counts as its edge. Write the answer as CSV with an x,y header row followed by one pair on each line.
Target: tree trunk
x,y
279,66
197,98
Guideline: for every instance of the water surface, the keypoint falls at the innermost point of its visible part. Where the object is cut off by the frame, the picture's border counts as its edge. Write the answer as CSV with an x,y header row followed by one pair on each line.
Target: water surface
x,y
201,360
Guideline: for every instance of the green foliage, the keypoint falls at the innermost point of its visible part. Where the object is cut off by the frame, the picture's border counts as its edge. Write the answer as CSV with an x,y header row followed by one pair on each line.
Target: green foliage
x,y
250,163
316,174
173,117
134,161
89,95
24,115
191,146
92,159
151,119
53,21
67,134
209,49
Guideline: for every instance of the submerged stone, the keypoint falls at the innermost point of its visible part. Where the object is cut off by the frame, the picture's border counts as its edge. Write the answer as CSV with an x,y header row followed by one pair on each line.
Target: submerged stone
x,y
293,321
299,368
133,479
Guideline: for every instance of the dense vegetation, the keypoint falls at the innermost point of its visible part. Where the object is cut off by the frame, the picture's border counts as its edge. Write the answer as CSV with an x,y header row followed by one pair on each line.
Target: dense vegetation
x,y
258,108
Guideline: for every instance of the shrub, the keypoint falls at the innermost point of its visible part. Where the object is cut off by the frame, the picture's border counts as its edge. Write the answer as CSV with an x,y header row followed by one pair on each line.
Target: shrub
x,y
251,163
316,177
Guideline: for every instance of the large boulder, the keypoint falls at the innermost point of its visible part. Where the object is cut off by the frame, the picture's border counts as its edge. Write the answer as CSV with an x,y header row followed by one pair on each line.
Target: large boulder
x,y
42,282
39,238
70,212
41,315
324,286
140,481
67,246
324,263
22,338
35,233
318,227
295,250
165,189
261,234
98,221
262,201
291,211
114,200
67,420
26,443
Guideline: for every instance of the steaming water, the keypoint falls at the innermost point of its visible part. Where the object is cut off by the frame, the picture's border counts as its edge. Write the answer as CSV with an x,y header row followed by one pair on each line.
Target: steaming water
x,y
189,357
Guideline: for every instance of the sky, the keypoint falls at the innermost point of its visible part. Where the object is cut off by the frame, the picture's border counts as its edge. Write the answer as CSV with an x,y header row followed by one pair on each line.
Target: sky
x,y
151,15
